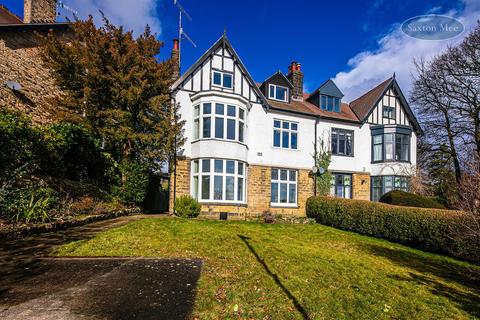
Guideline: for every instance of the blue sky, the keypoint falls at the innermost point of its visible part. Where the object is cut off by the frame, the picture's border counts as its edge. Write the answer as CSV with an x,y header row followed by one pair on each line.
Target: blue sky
x,y
355,42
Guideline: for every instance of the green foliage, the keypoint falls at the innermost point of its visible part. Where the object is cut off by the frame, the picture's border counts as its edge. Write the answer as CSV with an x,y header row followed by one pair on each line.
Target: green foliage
x,y
134,184
29,204
432,230
187,207
402,198
322,159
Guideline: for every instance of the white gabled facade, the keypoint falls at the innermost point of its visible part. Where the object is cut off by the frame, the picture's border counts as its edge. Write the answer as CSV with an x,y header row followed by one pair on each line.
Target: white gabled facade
x,y
247,151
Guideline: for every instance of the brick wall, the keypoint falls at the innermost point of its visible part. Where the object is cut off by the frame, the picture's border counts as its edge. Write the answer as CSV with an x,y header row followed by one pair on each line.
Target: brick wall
x,y
361,186
20,62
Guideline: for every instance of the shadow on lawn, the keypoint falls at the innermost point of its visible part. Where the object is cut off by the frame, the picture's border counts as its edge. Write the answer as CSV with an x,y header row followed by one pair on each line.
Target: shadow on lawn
x,y
275,278
445,269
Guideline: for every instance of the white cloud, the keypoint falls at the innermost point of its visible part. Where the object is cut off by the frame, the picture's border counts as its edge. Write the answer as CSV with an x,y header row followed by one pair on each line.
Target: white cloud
x,y
131,14
395,53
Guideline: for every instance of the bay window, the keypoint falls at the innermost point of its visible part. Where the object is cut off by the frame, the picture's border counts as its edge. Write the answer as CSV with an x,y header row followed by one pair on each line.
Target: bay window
x,y
384,184
218,180
283,187
219,121
391,147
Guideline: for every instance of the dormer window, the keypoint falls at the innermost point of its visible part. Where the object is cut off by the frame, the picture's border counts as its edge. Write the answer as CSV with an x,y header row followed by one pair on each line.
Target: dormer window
x,y
330,103
222,79
277,93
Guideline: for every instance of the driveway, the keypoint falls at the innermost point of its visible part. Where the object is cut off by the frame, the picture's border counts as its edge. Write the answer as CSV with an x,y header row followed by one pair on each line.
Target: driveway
x,y
33,286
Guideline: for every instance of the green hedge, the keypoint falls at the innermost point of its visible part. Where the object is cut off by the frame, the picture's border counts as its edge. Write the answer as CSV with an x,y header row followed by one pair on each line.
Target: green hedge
x,y
434,230
407,199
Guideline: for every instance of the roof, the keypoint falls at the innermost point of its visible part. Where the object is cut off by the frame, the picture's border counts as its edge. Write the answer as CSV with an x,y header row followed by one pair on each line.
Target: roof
x,y
329,88
365,103
7,17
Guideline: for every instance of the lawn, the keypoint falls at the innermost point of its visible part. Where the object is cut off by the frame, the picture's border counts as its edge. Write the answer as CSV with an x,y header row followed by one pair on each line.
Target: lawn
x,y
260,271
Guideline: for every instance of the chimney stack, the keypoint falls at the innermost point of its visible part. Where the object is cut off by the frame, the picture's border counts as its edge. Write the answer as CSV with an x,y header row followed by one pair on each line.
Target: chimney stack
x,y
175,56
39,11
295,75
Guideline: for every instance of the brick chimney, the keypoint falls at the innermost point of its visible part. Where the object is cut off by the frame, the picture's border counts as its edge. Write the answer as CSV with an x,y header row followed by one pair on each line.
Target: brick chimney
x,y
175,56
39,11
295,75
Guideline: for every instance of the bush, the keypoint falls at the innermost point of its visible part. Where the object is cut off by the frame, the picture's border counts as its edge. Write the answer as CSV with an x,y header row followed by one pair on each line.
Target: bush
x,y
186,207
134,182
402,198
431,230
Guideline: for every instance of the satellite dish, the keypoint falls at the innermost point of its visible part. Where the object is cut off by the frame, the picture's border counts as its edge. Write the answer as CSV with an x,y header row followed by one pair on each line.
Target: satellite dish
x,y
321,170
13,85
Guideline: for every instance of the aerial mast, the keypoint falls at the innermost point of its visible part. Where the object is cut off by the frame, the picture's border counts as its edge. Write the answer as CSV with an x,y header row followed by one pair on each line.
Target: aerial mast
x,y
182,34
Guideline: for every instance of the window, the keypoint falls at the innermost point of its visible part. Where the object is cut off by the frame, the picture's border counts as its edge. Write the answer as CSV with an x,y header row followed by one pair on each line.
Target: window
x,y
342,142
283,187
391,147
330,103
218,180
341,185
389,112
226,121
222,79
277,92
285,134
384,184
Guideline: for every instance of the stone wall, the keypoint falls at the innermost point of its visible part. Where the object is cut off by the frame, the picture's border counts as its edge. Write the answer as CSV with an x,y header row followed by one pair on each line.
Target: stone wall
x,y
20,62
38,11
183,181
361,186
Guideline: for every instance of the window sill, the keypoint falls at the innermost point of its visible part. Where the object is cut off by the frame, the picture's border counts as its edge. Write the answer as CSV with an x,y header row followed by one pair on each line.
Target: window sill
x,y
284,205
287,149
390,161
343,155
217,139
222,203
221,87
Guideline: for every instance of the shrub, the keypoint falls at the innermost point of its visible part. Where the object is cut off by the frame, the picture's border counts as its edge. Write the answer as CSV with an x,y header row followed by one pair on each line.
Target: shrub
x,y
431,230
187,207
134,182
402,198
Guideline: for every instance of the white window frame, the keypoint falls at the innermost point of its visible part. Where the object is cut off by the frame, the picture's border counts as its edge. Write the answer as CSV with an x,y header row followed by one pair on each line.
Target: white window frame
x,y
288,182
275,90
281,130
198,117
222,74
197,172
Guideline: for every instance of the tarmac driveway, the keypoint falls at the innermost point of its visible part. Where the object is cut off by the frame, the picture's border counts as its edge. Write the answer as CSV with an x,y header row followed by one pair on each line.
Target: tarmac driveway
x,y
35,287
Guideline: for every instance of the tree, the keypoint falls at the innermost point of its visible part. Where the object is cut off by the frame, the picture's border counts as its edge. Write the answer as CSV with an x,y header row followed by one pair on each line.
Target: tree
x,y
116,87
446,94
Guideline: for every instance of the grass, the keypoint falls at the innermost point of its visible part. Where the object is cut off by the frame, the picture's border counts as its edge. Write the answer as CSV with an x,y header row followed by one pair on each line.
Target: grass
x,y
259,271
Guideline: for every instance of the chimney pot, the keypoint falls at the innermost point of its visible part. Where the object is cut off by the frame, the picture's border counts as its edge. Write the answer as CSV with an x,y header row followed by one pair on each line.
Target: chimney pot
x,y
175,44
295,75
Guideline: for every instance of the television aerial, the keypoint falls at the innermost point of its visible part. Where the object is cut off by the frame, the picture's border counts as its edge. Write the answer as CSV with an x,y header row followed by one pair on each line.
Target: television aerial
x,y
181,33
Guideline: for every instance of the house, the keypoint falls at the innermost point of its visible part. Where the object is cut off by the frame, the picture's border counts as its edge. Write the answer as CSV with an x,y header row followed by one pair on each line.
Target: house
x,y
249,146
21,63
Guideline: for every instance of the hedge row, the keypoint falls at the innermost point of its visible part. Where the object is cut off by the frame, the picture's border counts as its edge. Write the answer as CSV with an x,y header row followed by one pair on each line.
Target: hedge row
x,y
407,199
433,230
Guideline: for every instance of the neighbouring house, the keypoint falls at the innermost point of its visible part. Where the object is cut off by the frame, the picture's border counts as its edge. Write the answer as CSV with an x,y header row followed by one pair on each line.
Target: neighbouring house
x,y
34,88
249,146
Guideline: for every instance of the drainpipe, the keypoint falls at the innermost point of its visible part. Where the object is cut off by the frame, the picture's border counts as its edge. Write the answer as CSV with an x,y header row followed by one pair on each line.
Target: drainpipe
x,y
174,168
315,161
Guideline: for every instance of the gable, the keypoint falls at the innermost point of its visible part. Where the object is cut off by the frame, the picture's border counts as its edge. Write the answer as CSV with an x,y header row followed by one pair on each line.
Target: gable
x,y
221,57
329,88
279,79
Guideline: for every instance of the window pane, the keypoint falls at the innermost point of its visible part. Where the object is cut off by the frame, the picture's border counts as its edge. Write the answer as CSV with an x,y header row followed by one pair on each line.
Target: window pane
x,y
341,143
334,142
349,144
207,108
229,188
276,138
241,113
205,187
330,103
230,166
219,108
206,127
285,139
397,182
240,131
292,175
219,128
231,129
347,192
283,174
196,111
285,125
377,139
389,147
271,91
274,193
240,189
196,128
217,78
227,80
276,124
377,152
337,105
206,165
324,102
274,174
292,193
240,168
283,193
195,166
195,187
281,93
294,126
218,188
218,166
294,140
231,111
